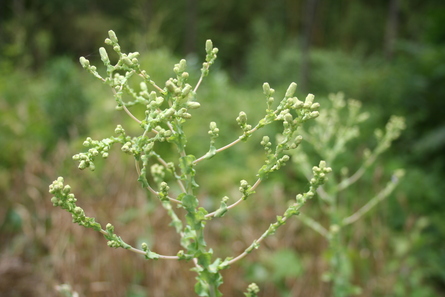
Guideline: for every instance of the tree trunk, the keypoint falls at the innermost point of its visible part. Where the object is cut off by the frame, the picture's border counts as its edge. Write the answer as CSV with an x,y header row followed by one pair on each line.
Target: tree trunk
x,y
309,16
391,28
190,30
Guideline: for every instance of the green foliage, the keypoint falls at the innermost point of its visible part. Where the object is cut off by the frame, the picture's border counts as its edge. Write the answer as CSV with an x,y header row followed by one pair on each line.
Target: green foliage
x,y
330,139
66,104
167,111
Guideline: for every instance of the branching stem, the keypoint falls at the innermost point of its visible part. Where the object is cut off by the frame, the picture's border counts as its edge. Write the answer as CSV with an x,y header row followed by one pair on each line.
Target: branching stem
x,y
138,251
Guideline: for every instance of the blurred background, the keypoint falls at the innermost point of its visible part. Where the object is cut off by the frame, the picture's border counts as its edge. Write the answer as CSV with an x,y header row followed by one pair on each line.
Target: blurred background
x,y
389,54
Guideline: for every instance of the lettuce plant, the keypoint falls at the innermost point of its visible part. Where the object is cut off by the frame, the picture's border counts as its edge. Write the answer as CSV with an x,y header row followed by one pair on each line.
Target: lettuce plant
x,y
167,110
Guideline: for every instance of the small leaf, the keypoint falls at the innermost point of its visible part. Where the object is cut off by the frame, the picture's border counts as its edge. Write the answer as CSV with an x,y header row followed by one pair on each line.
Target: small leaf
x,y
190,202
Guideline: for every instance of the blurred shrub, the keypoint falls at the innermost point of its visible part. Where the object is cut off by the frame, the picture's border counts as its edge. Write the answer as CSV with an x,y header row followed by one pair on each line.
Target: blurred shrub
x,y
65,103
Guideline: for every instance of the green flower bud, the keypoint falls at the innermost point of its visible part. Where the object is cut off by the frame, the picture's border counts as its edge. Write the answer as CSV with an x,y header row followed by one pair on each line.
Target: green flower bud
x,y
186,115
82,165
288,118
84,62
143,86
119,130
54,201
315,114
315,105
214,131
253,288
109,228
265,141
127,61
66,189
182,65
71,197
78,211
164,187
212,126
186,90
209,46
169,112
309,99
104,55
266,89
243,186
285,158
94,152
134,55
242,118
291,90
193,105
300,199
112,36
298,104
108,41
170,86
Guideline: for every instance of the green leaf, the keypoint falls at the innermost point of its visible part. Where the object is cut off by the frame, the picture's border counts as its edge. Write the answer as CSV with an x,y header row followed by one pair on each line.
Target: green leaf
x,y
210,153
149,255
190,202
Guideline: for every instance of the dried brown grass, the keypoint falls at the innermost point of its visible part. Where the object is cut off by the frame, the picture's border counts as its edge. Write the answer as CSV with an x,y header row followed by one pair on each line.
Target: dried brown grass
x,y
50,250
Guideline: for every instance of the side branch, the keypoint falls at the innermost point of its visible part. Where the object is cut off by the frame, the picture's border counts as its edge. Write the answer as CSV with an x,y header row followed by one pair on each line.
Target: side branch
x,y
254,245
138,251
235,203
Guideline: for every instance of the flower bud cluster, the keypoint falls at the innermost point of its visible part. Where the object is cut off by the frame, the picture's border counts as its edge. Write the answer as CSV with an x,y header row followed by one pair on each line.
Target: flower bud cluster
x,y
210,57
318,179
158,173
86,160
163,191
393,129
214,131
114,241
64,199
242,122
292,112
245,189
319,172
268,91
266,144
252,290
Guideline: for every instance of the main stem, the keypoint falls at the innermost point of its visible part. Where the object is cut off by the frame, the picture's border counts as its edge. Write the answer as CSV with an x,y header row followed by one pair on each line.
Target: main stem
x,y
208,278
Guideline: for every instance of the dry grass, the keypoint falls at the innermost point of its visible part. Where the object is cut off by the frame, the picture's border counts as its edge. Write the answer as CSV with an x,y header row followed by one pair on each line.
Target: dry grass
x,y
50,250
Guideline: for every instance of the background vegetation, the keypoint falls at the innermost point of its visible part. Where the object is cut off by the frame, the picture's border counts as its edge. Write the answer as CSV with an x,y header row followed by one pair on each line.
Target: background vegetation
x,y
390,55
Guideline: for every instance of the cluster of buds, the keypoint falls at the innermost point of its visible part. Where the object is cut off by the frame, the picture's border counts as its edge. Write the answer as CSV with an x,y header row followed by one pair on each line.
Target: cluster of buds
x,y
64,199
